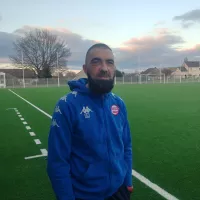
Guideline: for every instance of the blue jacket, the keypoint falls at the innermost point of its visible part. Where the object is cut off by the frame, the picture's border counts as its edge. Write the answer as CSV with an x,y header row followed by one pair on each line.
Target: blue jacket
x,y
89,146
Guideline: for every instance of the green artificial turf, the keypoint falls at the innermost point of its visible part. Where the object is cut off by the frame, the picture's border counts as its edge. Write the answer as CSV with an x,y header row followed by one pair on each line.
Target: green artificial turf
x,y
165,125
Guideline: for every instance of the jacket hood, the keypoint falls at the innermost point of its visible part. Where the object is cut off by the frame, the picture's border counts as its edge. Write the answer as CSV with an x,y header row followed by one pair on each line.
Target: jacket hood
x,y
79,85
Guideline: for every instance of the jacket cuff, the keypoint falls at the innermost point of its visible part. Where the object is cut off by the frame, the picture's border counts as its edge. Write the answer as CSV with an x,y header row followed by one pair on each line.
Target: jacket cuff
x,y
128,179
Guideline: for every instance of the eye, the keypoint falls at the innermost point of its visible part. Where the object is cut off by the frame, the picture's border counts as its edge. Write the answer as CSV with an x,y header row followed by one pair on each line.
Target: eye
x,y
110,62
95,61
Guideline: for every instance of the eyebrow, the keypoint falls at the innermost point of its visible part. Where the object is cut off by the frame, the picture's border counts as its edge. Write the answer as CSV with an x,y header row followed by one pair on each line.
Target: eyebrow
x,y
96,58
99,59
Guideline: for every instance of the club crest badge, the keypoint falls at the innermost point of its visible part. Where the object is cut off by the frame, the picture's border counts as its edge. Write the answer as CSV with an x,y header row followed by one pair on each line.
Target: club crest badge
x,y
114,109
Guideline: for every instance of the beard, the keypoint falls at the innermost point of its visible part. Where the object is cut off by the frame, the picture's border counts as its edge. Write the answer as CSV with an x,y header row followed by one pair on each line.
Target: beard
x,y
100,86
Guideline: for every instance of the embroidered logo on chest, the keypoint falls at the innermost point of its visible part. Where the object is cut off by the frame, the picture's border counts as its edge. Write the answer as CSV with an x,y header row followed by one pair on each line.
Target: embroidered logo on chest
x,y
114,109
86,111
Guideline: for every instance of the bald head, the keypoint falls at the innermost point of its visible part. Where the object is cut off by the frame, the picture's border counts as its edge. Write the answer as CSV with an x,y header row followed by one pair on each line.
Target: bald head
x,y
95,46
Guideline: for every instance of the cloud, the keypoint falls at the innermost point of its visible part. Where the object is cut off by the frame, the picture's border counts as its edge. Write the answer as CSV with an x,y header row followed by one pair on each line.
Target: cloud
x,y
193,15
191,52
6,42
153,42
189,18
164,47
4,60
150,50
187,25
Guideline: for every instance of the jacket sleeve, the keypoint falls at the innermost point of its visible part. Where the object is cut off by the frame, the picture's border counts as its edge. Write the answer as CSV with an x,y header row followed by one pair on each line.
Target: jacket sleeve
x,y
59,148
127,150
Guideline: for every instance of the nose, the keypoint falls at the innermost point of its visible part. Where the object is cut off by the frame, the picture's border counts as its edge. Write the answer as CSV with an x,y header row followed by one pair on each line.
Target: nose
x,y
104,70
104,66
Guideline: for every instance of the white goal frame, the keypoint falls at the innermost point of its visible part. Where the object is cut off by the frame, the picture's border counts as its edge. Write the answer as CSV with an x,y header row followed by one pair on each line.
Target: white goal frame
x,y
2,80
152,78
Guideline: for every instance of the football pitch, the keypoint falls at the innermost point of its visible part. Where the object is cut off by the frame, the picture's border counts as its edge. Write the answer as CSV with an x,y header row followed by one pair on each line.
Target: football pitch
x,y
165,125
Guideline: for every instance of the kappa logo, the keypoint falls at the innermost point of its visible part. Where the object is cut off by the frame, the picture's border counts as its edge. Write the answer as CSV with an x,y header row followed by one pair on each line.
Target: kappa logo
x,y
86,111
57,109
74,93
54,123
64,98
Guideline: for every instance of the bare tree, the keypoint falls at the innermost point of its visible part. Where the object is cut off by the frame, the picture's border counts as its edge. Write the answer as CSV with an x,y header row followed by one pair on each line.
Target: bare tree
x,y
41,51
167,71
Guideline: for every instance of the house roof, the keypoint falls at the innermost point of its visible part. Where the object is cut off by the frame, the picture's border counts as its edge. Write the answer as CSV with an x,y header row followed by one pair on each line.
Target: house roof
x,y
151,71
192,63
80,74
183,69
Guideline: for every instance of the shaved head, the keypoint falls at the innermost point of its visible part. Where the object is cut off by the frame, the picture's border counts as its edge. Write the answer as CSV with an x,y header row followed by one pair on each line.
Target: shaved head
x,y
98,45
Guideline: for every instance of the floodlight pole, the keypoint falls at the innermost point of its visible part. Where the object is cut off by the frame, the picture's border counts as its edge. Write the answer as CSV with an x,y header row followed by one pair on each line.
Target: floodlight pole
x,y
123,77
58,69
164,78
23,69
160,73
139,69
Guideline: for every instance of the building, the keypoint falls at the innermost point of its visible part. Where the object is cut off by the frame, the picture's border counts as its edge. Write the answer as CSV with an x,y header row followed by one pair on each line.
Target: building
x,y
188,68
79,75
64,71
152,71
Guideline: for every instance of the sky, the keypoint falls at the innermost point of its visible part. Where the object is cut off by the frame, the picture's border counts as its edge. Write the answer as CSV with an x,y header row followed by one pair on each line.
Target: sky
x,y
145,33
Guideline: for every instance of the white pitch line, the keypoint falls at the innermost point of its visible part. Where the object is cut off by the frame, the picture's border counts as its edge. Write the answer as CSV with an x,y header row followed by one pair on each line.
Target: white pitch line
x,y
32,133
44,152
36,156
11,109
144,180
19,115
28,127
22,119
153,186
37,141
31,104
25,123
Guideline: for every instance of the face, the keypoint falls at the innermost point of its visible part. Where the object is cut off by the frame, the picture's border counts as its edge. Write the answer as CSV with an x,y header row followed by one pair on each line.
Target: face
x,y
100,69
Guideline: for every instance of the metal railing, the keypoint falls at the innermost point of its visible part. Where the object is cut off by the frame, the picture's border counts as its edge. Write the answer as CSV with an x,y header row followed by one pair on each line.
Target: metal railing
x,y
139,79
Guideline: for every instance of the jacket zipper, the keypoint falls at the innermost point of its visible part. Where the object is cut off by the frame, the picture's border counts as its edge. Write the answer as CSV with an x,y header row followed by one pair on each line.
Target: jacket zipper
x,y
106,138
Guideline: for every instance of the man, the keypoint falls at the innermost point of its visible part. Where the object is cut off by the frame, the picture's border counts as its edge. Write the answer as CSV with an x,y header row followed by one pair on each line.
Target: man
x,y
89,150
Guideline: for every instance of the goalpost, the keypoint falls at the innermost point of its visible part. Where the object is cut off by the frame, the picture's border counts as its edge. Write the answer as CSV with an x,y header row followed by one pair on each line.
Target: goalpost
x,y
2,80
153,78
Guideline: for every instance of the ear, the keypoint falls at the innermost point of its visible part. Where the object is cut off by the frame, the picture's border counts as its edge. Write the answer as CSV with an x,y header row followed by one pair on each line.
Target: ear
x,y
85,69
